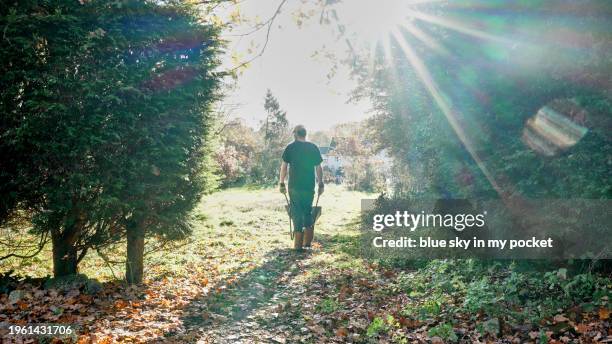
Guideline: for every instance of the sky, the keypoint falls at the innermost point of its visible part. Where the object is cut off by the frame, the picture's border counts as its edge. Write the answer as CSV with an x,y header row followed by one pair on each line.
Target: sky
x,y
288,69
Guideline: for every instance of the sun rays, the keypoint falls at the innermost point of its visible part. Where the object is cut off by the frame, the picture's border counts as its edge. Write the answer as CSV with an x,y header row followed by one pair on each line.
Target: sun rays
x,y
460,41
398,36
439,98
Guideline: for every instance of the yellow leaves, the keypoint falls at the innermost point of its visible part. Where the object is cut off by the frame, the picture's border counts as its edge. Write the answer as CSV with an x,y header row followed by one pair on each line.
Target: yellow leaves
x,y
235,17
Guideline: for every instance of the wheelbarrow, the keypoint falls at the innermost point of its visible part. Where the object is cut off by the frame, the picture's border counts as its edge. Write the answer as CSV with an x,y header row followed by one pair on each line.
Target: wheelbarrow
x,y
316,213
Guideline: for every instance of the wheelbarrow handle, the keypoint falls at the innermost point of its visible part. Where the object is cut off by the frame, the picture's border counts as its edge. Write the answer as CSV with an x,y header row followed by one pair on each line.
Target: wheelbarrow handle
x,y
289,207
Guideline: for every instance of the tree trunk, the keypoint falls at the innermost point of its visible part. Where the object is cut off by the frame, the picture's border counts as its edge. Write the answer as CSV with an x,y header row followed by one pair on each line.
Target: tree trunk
x,y
135,252
64,252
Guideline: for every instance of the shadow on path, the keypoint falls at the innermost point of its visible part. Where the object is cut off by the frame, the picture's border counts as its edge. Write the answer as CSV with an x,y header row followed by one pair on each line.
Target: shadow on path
x,y
247,293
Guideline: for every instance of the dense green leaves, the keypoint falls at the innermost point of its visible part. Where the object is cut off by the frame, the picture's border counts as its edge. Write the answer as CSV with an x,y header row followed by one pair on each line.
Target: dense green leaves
x,y
491,89
106,113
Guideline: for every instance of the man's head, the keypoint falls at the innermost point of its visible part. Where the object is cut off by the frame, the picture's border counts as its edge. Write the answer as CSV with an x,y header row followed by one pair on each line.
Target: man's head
x,y
299,132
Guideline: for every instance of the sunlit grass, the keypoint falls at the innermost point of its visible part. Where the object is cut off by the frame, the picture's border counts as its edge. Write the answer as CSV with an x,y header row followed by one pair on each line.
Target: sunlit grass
x,y
234,229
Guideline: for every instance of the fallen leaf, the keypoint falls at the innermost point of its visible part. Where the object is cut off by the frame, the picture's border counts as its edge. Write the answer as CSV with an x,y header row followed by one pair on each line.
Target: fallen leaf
x,y
389,273
121,304
437,340
604,313
342,332
597,337
582,328
409,323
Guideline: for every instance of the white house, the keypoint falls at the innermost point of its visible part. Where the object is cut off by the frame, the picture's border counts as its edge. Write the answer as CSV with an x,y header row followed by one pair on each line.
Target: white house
x,y
330,159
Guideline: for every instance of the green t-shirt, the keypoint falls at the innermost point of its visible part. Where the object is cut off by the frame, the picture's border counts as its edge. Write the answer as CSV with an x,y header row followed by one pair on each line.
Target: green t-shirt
x,y
302,157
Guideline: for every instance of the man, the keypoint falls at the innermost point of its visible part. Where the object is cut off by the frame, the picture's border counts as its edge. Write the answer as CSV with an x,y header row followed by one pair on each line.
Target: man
x,y
303,159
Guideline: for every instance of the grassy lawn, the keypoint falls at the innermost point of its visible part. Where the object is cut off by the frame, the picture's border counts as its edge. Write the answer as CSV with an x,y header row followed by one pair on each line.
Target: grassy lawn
x,y
242,224
234,262
237,280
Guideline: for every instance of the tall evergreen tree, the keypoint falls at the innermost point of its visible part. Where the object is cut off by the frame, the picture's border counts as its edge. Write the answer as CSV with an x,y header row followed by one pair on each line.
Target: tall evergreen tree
x,y
276,134
108,110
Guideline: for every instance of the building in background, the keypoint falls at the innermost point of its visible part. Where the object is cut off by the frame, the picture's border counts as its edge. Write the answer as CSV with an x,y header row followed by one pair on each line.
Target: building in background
x,y
338,165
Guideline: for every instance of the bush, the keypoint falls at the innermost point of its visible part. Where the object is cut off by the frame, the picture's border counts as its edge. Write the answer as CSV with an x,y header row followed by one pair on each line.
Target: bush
x,y
493,289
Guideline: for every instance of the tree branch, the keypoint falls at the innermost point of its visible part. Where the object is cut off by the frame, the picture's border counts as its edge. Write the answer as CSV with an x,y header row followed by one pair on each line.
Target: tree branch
x,y
269,22
41,245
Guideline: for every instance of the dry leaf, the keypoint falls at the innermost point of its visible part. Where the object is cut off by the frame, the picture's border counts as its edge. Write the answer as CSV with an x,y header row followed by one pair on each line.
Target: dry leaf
x,y
582,328
121,304
437,340
342,332
604,313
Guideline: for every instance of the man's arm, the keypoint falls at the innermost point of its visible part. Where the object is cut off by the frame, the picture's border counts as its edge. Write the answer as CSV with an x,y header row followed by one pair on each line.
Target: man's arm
x,y
283,172
320,178
283,176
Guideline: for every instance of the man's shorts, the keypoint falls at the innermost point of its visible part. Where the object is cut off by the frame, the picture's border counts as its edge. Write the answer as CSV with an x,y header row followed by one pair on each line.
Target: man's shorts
x,y
301,209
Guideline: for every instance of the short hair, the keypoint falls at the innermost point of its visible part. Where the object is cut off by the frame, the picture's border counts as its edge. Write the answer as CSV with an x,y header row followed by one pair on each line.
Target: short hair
x,y
299,130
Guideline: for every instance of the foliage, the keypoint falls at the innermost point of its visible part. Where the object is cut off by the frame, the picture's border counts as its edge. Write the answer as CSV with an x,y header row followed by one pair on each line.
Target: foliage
x,y
485,152
248,156
237,152
376,326
362,170
109,105
505,290
276,135
328,305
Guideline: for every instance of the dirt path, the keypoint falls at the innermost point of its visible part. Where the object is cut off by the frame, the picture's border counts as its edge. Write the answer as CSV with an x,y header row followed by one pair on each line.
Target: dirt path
x,y
264,304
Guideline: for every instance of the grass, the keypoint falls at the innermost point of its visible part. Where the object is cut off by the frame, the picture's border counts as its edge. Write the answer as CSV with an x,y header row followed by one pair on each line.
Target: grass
x,y
237,274
245,222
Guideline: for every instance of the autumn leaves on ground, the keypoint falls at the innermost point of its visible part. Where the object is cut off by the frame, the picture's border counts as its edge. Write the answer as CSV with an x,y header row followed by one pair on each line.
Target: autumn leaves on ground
x,y
235,280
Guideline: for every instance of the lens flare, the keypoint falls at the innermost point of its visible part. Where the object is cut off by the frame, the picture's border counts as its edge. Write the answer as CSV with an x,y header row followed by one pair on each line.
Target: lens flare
x,y
451,45
556,127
